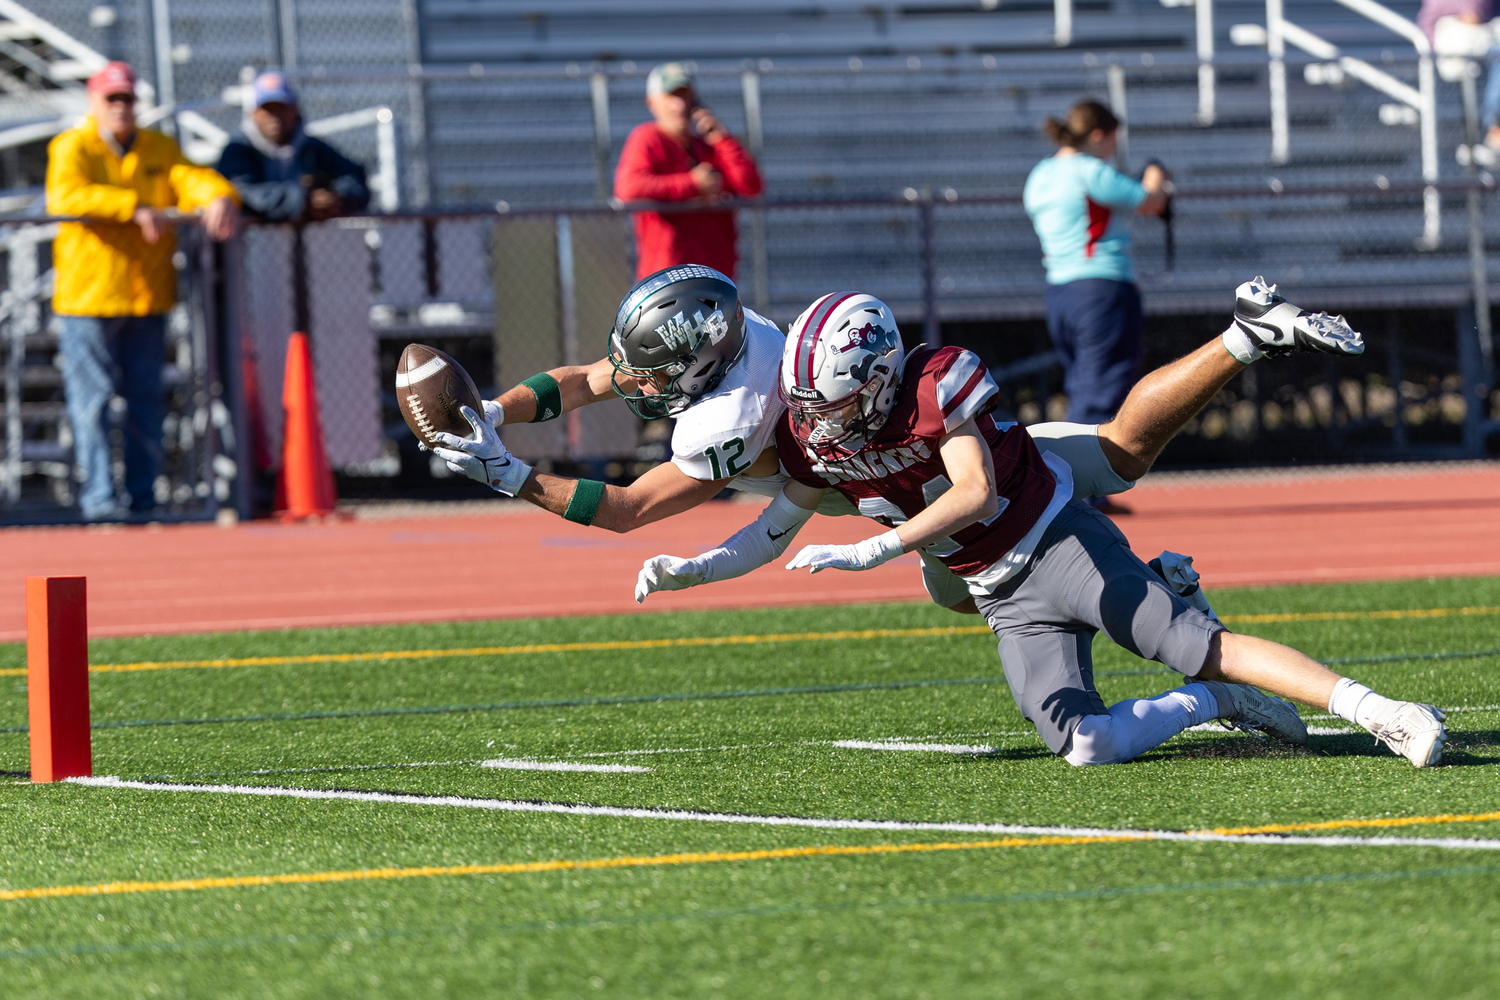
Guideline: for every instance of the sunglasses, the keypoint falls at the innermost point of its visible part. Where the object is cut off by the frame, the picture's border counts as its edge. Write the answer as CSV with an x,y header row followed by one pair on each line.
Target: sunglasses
x,y
121,98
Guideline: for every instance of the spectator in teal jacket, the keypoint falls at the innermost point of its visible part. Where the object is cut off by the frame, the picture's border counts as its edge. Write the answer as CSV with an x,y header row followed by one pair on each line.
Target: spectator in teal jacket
x,y
1079,205
283,174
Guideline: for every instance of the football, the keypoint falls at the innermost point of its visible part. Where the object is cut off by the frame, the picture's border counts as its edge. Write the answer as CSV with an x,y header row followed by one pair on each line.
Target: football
x,y
430,388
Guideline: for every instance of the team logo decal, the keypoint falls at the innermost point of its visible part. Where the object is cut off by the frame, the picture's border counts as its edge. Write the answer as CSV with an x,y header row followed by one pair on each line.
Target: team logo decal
x,y
679,335
716,326
871,338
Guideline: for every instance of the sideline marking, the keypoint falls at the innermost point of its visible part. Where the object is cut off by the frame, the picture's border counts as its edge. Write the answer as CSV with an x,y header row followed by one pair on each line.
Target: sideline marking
x,y
523,764
723,640
1269,835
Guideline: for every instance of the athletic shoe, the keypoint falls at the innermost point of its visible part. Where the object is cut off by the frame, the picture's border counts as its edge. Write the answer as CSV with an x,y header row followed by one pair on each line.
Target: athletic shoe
x,y
1416,732
1250,710
1275,327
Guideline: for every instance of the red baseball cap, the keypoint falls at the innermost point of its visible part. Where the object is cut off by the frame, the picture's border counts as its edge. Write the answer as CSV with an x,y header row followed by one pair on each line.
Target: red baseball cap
x,y
114,78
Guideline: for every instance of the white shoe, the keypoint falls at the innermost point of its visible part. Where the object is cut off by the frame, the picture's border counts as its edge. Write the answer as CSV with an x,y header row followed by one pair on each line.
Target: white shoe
x,y
1251,710
1416,732
1276,327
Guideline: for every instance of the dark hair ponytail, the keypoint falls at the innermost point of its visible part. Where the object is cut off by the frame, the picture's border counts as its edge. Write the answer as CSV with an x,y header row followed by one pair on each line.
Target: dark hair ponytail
x,y
1083,120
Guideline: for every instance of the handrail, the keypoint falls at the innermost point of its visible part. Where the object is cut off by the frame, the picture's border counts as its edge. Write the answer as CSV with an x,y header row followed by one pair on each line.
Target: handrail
x,y
1280,32
1181,195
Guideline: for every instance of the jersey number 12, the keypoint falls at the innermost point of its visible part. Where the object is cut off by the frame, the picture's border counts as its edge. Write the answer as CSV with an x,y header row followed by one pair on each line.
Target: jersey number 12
x,y
733,464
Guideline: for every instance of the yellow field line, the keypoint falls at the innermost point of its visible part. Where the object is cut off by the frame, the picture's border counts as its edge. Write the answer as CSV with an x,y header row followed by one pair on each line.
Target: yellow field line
x,y
692,858
427,871
1349,824
1349,616
714,640
548,647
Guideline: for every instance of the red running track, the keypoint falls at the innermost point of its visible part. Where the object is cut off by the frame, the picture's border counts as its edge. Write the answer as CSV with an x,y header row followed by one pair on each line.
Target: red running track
x,y
1314,526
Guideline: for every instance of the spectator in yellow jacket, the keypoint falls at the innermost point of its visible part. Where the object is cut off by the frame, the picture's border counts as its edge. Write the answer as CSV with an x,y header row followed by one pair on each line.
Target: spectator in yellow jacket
x,y
115,279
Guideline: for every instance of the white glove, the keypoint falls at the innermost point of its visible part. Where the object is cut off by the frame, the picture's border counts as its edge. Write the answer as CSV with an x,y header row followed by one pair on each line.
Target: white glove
x,y
861,555
483,458
1177,570
493,412
669,573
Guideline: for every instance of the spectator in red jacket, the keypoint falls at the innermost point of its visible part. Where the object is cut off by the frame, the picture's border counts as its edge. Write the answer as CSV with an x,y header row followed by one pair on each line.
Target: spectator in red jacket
x,y
685,154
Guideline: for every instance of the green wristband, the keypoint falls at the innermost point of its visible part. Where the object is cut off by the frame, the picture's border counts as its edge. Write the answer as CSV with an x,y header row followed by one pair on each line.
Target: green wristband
x,y
548,397
585,502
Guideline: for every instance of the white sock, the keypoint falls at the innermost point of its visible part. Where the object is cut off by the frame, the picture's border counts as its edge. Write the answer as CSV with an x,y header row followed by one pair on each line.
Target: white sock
x,y
1136,725
1353,701
1238,343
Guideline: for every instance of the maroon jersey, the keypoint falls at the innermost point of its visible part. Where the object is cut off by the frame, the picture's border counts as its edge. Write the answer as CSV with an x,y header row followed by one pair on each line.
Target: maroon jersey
x,y
900,472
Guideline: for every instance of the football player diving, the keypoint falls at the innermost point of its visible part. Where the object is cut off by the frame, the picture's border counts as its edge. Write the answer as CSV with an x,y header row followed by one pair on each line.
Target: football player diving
x,y
910,440
684,346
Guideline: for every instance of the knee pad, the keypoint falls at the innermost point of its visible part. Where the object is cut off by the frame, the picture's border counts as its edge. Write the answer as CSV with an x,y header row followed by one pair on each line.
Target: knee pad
x,y
1094,743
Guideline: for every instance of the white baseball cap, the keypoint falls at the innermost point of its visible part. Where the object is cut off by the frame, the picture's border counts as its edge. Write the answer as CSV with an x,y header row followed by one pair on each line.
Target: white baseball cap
x,y
668,77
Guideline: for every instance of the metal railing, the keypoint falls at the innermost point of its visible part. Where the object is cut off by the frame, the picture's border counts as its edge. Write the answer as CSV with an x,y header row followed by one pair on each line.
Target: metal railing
x,y
1280,32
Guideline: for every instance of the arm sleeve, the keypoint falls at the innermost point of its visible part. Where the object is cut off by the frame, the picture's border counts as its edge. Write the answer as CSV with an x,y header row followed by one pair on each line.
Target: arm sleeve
x,y
71,192
741,176
757,543
197,186
1108,186
637,179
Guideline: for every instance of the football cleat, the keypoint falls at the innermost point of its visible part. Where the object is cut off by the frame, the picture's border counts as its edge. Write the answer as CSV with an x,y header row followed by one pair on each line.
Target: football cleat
x,y
1252,711
1276,327
1416,732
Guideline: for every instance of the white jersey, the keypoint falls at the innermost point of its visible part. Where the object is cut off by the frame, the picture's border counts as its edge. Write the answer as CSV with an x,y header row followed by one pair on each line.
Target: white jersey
x,y
723,433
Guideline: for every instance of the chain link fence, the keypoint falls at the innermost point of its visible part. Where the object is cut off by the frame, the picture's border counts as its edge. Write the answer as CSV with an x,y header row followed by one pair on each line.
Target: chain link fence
x,y
516,292
198,469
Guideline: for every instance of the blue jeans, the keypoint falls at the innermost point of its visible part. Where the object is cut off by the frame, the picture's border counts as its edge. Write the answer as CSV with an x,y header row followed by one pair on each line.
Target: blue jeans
x,y
103,355
1097,327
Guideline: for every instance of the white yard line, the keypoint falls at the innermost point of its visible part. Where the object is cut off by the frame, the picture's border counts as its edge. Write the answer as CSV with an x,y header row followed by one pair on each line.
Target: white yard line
x,y
647,753
523,764
749,819
897,745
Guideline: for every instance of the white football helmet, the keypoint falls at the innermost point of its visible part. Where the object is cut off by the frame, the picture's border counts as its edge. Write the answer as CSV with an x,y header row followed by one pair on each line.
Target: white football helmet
x,y
841,372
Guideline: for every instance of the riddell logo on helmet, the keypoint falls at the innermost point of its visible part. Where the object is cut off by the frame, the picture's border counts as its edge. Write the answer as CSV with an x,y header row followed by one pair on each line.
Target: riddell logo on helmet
x,y
804,394
871,338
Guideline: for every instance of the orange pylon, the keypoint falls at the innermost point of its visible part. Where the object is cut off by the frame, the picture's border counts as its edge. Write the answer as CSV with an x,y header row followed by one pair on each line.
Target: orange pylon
x,y
305,487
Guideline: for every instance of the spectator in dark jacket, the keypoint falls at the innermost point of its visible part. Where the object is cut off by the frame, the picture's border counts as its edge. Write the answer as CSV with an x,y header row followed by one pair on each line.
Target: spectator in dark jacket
x,y
282,173
685,154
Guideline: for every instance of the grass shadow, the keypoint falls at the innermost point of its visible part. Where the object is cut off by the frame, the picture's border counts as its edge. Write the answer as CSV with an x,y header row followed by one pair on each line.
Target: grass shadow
x,y
1226,747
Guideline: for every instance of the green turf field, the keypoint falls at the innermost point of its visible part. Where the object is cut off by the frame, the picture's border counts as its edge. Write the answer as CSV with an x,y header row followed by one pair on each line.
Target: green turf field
x,y
745,728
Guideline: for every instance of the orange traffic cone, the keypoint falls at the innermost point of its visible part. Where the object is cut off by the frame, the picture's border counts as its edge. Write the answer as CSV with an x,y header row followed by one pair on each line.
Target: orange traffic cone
x,y
305,488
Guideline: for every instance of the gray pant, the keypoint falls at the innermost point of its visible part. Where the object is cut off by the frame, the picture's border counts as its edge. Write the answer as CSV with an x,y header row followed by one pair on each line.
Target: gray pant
x,y
1084,579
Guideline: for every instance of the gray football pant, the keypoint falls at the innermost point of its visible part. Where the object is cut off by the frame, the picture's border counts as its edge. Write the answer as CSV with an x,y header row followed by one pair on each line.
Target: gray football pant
x,y
1083,579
